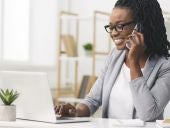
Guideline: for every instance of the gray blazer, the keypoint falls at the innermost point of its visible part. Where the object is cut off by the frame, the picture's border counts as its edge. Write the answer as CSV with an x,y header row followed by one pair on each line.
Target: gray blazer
x,y
151,92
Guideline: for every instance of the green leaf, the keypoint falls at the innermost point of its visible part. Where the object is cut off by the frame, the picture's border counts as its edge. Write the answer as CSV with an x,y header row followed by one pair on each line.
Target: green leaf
x,y
3,92
8,96
88,46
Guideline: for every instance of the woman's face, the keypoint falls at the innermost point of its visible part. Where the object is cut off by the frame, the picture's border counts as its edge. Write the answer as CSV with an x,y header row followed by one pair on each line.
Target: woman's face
x,y
121,26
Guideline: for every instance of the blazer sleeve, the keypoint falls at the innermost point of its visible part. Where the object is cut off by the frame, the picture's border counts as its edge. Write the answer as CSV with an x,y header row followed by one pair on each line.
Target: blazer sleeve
x,y
94,99
150,103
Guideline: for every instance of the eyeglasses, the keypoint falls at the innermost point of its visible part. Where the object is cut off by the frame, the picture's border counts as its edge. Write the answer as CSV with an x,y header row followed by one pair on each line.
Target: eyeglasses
x,y
118,27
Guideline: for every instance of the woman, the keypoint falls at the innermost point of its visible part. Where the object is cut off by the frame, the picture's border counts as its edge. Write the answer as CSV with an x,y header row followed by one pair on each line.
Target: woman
x,y
135,82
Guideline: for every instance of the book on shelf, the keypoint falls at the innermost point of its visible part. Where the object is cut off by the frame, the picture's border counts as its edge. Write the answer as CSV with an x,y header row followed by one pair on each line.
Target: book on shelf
x,y
163,123
70,45
86,84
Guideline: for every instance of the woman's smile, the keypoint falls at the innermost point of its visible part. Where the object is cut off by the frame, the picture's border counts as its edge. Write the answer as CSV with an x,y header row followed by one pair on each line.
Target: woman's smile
x,y
119,41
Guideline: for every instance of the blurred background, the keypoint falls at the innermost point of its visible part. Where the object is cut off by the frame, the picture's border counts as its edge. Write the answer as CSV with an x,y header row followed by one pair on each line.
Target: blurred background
x,y
64,38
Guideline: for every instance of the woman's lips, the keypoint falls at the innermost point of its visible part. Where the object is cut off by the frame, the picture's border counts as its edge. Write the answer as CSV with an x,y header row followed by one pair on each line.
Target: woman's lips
x,y
118,41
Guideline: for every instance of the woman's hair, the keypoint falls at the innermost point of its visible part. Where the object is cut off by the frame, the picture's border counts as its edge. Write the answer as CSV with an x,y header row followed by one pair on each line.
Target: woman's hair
x,y
149,14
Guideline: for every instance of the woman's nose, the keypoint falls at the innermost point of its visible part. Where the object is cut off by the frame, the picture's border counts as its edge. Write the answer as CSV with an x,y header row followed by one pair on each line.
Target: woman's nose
x,y
114,33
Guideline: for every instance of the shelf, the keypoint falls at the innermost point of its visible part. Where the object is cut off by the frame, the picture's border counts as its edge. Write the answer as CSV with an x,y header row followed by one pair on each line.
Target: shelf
x,y
70,100
81,59
65,58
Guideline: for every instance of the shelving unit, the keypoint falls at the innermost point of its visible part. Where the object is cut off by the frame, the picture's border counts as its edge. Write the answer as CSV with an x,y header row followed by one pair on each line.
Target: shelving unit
x,y
77,59
95,52
61,52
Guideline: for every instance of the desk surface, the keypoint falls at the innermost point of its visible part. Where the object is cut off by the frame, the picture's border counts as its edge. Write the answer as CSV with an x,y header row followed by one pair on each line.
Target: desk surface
x,y
94,123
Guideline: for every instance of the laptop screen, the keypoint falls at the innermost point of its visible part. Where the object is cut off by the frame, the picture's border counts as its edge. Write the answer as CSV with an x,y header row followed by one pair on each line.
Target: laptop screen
x,y
35,100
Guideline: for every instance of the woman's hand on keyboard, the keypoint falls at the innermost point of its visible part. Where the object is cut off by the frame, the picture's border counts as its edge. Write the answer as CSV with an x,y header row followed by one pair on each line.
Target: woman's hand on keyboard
x,y
65,110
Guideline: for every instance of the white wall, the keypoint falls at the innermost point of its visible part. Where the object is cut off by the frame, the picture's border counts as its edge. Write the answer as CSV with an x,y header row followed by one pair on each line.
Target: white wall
x,y
164,5
87,7
43,31
1,25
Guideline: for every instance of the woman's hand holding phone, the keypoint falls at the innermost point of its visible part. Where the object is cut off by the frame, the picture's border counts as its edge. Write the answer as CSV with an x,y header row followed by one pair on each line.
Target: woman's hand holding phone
x,y
137,28
128,44
135,55
135,44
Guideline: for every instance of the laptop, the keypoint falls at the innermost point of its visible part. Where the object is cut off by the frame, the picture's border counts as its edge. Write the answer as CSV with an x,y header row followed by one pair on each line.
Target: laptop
x,y
35,100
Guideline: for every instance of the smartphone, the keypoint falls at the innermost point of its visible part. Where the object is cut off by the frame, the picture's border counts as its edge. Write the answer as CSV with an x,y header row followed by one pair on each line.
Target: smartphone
x,y
138,28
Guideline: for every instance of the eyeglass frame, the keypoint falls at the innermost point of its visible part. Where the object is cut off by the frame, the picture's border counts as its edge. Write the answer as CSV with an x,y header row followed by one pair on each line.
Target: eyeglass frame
x,y
115,26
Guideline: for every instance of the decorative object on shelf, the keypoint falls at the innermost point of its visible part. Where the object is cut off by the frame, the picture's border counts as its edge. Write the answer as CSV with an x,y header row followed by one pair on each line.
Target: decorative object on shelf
x,y
70,45
86,84
8,110
88,47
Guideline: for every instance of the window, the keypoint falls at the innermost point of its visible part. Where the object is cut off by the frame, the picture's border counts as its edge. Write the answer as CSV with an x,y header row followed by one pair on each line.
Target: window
x,y
15,37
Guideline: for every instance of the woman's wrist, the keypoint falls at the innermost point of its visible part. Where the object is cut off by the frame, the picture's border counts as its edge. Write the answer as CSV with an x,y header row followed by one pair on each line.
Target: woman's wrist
x,y
82,110
135,70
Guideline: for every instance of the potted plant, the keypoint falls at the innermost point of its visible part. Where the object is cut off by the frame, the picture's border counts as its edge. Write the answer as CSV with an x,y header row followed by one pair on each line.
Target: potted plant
x,y
7,110
88,47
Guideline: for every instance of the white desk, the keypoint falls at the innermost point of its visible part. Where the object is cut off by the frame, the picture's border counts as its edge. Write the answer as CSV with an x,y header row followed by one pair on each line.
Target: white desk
x,y
95,123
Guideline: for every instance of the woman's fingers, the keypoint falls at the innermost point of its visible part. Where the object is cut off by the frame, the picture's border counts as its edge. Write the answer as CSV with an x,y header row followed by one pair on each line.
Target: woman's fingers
x,y
57,108
62,111
140,38
136,39
72,112
65,110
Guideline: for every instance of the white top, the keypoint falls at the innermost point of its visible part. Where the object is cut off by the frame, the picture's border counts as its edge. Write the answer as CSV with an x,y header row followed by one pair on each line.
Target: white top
x,y
120,102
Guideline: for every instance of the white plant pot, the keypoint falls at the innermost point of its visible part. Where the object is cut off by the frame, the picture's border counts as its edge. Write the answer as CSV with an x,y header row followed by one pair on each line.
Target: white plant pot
x,y
88,53
7,112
